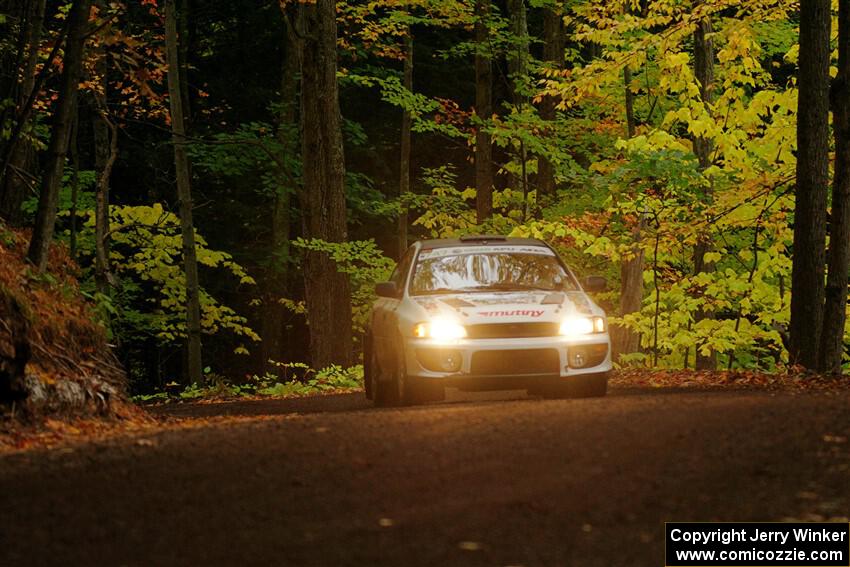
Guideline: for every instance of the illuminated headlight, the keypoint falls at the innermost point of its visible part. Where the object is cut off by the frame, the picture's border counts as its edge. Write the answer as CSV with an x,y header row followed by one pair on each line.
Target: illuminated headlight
x,y
577,326
440,329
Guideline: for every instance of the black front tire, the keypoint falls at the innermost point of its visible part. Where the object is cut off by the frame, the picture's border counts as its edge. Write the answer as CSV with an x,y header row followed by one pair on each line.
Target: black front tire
x,y
412,390
368,366
381,391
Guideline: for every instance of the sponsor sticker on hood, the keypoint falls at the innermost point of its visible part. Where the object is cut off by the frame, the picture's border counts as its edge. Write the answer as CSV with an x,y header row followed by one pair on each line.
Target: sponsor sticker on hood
x,y
512,313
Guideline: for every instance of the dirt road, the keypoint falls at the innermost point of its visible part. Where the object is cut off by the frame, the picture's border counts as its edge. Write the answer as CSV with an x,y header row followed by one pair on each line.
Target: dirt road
x,y
331,481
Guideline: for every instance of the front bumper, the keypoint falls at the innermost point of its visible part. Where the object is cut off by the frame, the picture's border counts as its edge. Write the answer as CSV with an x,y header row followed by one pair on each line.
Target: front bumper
x,y
504,359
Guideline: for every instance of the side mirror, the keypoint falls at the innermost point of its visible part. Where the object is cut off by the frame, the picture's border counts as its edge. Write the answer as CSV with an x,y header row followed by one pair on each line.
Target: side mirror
x,y
386,289
594,283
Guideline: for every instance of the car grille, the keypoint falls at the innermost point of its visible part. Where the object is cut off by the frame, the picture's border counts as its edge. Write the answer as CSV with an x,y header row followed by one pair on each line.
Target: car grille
x,y
512,330
515,362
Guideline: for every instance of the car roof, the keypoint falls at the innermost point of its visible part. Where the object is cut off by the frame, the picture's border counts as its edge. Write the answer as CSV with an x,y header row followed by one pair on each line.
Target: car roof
x,y
479,240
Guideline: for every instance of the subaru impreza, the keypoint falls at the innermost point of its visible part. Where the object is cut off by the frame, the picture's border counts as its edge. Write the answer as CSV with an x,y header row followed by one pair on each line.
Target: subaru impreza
x,y
485,313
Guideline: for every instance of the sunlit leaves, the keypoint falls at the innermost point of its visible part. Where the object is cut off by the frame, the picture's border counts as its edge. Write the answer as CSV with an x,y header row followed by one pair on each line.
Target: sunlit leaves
x,y
146,255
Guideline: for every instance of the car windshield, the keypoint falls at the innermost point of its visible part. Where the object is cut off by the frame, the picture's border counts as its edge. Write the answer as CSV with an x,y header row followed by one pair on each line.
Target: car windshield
x,y
504,268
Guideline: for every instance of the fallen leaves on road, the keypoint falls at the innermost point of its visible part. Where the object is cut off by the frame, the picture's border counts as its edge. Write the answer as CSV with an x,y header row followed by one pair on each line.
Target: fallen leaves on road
x,y
49,433
726,379
16,436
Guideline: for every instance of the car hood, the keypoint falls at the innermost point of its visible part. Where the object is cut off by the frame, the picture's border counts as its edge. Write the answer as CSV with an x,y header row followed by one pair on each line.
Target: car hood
x,y
508,307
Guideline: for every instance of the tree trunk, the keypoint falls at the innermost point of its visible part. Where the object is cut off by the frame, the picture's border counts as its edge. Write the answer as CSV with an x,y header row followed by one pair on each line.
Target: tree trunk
x,y
553,52
328,292
45,219
807,283
74,150
105,154
14,348
624,340
484,110
104,161
404,170
704,72
517,72
835,304
631,270
183,53
184,195
518,54
279,278
15,185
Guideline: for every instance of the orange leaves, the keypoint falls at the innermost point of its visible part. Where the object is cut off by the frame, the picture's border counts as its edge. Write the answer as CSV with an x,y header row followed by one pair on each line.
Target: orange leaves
x,y
727,379
66,338
55,433
451,113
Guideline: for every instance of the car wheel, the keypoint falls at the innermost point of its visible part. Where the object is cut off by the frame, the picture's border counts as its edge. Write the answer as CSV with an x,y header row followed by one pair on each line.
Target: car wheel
x,y
585,386
412,390
383,392
368,367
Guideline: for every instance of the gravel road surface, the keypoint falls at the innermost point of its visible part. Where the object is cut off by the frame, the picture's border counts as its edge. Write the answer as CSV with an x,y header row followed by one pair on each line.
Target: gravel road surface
x,y
494,480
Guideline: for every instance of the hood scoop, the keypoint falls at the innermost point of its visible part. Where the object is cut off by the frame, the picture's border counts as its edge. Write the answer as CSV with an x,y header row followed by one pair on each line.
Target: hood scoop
x,y
556,298
457,302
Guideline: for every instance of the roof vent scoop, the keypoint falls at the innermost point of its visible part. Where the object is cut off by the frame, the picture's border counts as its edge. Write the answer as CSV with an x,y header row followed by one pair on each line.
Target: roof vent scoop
x,y
483,238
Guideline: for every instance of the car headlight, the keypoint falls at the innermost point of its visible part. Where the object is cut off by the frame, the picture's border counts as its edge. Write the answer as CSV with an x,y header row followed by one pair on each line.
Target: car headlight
x,y
577,326
440,329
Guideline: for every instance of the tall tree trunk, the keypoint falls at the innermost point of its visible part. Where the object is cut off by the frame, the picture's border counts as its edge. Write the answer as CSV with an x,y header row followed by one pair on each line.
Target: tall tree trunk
x,y
484,110
807,283
183,11
104,161
631,294
835,304
404,169
624,340
184,195
105,154
518,52
518,71
48,198
74,150
327,290
704,72
553,52
15,184
279,278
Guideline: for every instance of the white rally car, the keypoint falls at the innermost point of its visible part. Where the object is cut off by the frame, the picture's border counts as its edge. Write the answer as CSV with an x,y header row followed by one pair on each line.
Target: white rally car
x,y
484,313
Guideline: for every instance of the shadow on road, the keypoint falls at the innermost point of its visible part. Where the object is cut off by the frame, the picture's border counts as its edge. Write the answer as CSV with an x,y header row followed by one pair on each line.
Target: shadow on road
x,y
315,404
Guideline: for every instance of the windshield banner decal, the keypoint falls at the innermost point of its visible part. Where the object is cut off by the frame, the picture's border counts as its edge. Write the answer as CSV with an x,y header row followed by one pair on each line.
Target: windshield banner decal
x,y
461,250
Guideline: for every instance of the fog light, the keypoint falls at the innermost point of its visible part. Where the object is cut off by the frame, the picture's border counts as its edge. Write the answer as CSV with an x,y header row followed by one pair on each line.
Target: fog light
x,y
577,358
584,356
439,360
450,361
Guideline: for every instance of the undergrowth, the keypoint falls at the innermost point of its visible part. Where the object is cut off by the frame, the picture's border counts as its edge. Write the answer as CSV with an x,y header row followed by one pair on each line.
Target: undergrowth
x,y
292,379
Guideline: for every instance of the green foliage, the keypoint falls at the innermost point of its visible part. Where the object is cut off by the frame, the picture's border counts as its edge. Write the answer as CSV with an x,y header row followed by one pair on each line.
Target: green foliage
x,y
365,265
446,211
149,300
617,196
85,194
301,381
325,380
425,112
